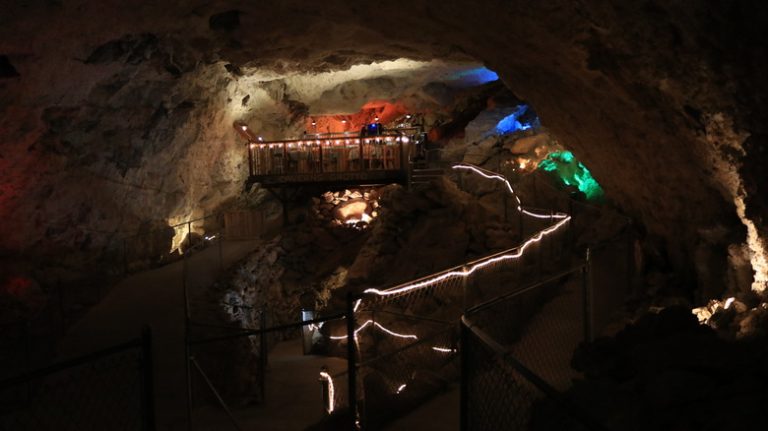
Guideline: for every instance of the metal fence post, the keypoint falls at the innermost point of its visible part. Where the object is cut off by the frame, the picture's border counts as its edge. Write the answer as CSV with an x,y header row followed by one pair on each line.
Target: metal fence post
x,y
586,283
187,355
148,385
570,223
351,362
630,259
326,390
464,288
464,379
506,206
221,250
263,353
62,313
125,256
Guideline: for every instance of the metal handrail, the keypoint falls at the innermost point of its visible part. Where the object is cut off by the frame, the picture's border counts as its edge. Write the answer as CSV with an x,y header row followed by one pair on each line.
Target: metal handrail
x,y
491,302
215,393
251,332
69,363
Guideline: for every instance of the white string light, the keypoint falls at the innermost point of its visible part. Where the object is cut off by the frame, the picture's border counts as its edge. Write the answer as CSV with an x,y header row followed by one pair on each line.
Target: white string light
x,y
510,254
401,387
443,349
327,377
378,325
482,172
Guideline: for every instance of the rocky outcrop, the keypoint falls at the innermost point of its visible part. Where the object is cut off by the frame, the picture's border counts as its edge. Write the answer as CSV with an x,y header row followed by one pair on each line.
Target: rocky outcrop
x,y
668,365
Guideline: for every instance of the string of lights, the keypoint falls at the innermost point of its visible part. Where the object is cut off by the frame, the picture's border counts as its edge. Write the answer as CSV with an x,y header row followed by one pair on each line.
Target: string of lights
x,y
329,142
494,176
514,253
377,325
331,390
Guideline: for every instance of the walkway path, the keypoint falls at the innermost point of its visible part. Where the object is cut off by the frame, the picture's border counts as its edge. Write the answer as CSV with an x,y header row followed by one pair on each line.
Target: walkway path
x,y
294,398
154,298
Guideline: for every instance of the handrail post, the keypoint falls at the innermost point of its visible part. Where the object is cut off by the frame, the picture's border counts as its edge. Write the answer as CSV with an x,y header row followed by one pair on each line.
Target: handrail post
x,y
552,238
263,352
148,388
187,369
351,362
326,391
464,288
320,145
125,256
285,158
250,158
221,250
361,154
464,378
586,283
630,259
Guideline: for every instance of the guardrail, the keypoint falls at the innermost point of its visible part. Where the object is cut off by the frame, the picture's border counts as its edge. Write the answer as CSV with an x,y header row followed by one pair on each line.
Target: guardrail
x,y
108,389
498,390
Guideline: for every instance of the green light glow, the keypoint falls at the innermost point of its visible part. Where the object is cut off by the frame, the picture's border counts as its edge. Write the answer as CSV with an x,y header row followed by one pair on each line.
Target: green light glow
x,y
572,173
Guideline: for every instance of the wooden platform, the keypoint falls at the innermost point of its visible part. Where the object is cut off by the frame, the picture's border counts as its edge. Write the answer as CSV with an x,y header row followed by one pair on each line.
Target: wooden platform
x,y
331,179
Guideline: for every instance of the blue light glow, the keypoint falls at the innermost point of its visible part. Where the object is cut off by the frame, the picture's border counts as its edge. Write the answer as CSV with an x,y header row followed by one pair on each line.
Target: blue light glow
x,y
511,122
476,76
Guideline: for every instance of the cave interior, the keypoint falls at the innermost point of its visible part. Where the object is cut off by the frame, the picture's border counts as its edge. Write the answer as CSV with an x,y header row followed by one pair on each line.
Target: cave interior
x,y
527,216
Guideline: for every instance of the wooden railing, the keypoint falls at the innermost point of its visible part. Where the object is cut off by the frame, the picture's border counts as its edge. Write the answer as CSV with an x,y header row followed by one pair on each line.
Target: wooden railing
x,y
332,154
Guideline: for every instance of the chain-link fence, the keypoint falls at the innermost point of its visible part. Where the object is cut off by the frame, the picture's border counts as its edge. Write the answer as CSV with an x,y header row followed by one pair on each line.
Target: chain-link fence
x,y
111,389
516,351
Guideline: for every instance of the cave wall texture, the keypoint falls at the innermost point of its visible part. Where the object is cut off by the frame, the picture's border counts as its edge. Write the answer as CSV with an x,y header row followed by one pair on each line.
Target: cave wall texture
x,y
117,115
